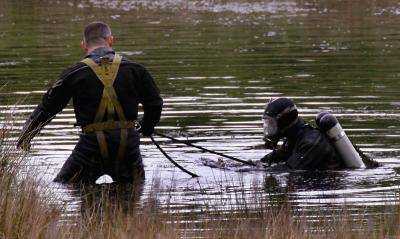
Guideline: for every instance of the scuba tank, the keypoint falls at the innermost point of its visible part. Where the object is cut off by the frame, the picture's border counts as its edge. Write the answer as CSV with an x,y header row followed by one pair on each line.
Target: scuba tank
x,y
328,124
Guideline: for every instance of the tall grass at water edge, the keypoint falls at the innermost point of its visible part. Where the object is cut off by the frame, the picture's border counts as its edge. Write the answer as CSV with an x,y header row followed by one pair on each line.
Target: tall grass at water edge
x,y
28,210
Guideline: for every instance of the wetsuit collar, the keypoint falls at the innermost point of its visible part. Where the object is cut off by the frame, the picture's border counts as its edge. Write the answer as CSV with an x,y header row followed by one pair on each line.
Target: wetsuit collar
x,y
100,52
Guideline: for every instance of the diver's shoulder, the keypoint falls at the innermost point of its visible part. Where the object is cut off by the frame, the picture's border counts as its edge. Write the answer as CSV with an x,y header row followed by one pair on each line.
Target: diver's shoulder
x,y
311,135
130,63
138,67
73,69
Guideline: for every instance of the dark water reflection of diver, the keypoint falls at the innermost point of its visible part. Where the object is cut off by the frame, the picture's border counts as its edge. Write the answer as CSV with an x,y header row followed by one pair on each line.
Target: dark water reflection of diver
x,y
279,187
305,180
107,199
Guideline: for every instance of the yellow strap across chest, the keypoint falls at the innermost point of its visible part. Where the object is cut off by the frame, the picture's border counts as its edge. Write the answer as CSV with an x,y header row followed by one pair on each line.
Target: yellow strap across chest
x,y
107,73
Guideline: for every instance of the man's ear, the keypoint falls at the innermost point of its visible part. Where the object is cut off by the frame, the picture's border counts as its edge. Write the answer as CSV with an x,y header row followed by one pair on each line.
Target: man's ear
x,y
84,46
110,40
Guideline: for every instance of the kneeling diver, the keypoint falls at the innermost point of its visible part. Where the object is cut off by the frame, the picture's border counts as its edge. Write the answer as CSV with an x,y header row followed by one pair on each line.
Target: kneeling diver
x,y
305,147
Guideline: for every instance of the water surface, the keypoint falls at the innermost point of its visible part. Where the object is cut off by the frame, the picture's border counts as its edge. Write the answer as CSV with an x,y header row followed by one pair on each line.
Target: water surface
x,y
217,63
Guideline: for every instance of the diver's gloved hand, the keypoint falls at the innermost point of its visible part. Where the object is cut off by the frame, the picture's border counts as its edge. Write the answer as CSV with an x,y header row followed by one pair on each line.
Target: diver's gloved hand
x,y
270,143
36,121
28,132
268,159
150,119
24,143
146,130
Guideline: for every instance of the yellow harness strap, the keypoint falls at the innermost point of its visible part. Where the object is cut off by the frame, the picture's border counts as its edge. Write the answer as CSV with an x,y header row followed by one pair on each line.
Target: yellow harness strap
x,y
107,72
109,125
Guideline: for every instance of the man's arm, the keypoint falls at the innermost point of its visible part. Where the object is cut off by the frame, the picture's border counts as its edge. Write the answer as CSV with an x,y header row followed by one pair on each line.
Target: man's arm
x,y
152,103
279,154
53,101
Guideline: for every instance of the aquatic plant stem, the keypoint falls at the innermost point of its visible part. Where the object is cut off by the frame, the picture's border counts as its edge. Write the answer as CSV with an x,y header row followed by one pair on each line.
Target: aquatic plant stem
x,y
206,150
171,160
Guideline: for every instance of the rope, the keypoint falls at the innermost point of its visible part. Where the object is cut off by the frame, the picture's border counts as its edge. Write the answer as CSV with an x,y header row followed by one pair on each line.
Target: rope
x,y
206,150
171,160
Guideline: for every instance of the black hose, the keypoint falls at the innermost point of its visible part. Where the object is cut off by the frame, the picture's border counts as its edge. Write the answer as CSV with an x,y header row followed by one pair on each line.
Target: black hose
x,y
207,150
171,160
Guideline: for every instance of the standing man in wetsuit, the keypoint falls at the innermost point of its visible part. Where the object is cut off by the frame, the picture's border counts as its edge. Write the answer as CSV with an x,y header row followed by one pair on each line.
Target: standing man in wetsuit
x,y
106,90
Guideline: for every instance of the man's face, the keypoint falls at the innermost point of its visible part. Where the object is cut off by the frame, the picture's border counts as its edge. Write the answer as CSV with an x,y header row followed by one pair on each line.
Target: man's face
x,y
270,126
271,134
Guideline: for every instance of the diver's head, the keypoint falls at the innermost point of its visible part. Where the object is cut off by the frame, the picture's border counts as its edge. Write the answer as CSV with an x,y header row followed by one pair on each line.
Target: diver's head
x,y
96,35
279,115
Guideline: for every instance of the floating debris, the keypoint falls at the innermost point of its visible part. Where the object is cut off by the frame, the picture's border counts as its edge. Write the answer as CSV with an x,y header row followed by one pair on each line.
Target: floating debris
x,y
233,166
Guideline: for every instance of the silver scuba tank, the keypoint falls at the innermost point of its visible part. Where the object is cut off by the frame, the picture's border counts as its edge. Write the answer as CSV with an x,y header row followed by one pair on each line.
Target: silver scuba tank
x,y
332,128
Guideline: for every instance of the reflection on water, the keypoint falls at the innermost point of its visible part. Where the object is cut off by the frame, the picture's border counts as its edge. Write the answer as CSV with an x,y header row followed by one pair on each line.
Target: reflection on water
x,y
106,198
217,63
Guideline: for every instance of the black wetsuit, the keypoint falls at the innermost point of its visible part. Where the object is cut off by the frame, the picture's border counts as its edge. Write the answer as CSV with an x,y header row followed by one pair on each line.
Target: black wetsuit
x,y
133,85
305,148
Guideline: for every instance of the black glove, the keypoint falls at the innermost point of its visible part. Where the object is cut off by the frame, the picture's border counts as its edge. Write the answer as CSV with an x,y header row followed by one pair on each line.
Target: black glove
x,y
268,159
24,143
150,119
146,130
270,143
36,121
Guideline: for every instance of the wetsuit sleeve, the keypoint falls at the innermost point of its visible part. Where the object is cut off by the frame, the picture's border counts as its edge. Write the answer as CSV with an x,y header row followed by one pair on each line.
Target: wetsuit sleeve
x,y
53,101
149,97
58,96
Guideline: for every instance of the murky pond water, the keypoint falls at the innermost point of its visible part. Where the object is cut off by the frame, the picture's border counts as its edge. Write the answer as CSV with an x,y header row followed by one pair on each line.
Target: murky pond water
x,y
217,63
